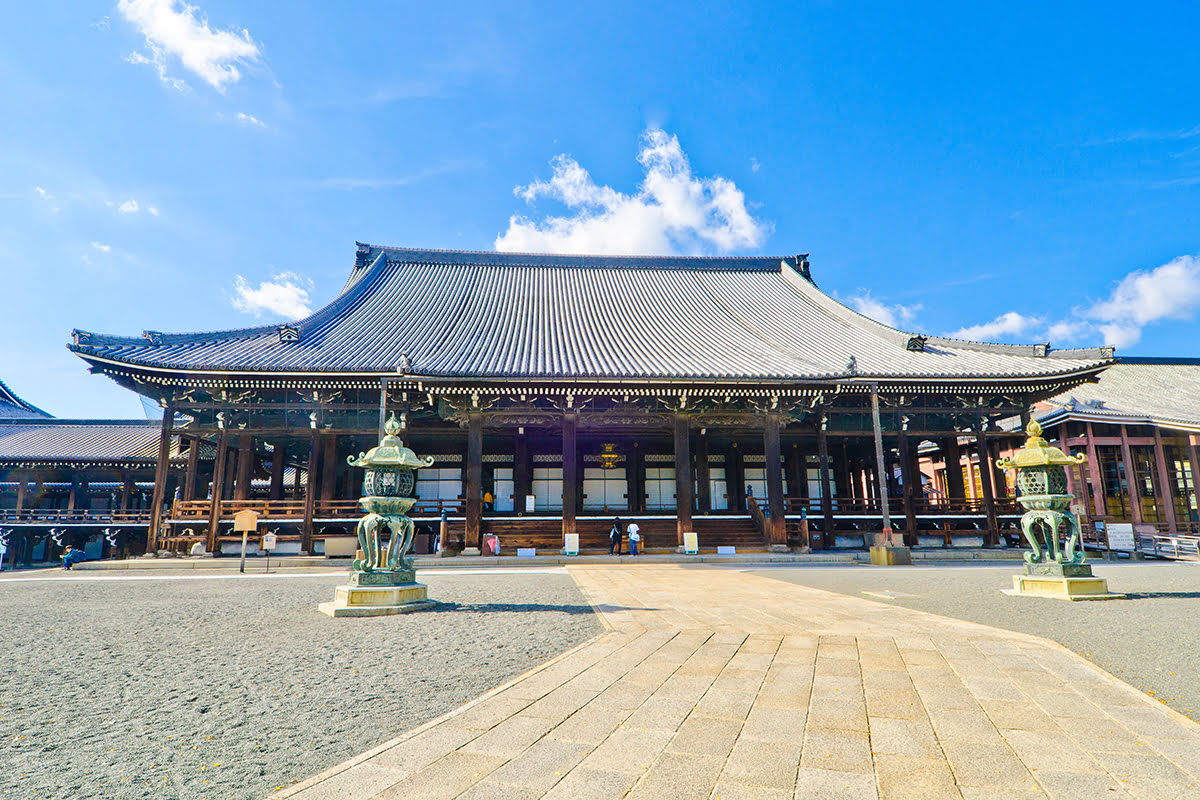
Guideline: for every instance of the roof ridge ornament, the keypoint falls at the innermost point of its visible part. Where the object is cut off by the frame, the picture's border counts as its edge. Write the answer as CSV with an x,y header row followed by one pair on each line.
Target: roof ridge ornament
x,y
852,366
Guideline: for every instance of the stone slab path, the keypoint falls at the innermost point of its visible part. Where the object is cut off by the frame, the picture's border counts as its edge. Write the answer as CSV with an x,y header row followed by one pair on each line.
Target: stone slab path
x,y
714,683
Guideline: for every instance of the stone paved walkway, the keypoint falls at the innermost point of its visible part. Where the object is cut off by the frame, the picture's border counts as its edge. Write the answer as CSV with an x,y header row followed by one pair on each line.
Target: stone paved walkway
x,y
713,683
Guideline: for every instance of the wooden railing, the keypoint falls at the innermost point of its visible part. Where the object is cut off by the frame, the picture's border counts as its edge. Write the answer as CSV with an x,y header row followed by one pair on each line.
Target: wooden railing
x,y
199,510
922,506
63,516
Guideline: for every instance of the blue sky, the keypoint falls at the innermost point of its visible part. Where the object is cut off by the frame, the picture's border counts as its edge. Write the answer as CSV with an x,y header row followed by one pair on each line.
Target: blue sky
x,y
1013,174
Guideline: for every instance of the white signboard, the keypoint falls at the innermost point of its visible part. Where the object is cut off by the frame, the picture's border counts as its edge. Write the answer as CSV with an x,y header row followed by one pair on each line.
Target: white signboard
x,y
1120,537
530,503
526,552
268,541
726,550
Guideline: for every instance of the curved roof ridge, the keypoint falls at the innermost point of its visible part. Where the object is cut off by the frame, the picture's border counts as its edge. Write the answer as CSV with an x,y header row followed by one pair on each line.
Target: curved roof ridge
x,y
577,260
9,397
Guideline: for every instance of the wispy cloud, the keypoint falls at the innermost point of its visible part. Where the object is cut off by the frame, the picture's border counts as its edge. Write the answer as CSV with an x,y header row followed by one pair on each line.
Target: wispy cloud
x,y
1141,298
1007,325
286,295
250,119
46,196
175,30
103,248
1179,134
894,315
671,211
350,184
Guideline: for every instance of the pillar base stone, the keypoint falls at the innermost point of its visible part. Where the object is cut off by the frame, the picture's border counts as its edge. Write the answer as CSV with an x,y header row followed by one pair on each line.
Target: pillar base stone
x,y
470,551
1061,582
884,555
377,601
779,548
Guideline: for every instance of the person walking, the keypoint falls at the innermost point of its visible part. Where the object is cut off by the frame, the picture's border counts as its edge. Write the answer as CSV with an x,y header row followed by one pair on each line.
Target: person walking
x,y
635,538
614,538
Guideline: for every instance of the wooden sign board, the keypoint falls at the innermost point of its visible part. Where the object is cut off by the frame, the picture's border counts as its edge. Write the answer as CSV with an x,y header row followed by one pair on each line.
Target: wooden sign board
x,y
268,541
245,521
1120,537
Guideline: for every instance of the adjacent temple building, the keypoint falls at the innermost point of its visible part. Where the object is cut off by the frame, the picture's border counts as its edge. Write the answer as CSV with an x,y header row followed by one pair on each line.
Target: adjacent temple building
x,y
726,396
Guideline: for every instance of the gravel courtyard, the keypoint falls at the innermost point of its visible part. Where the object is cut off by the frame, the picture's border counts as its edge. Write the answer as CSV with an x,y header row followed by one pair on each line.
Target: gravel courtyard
x,y
1151,640
226,687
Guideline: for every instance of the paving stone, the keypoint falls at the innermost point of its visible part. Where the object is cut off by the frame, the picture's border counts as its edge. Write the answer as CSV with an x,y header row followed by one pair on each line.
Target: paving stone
x,y
904,737
1000,793
1148,775
559,704
488,790
589,725
661,713
763,763
726,703
592,784
1049,751
361,780
769,724
444,779
701,734
842,714
992,765
510,737
1080,785
909,778
895,704
732,790
842,750
676,776
964,725
627,750
825,784
426,748
542,765
1023,715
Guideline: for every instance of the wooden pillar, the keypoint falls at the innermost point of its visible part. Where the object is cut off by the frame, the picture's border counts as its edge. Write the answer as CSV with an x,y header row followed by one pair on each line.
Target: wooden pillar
x,y
827,538
329,464
735,483
1194,457
312,486
473,537
703,487
633,479
73,492
218,484
1164,496
570,469
796,478
683,477
126,489
278,463
22,483
992,536
160,477
909,487
522,474
776,525
193,466
245,468
954,469
1094,473
1135,496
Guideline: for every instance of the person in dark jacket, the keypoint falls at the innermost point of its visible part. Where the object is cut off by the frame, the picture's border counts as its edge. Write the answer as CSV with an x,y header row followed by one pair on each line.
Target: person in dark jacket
x,y
614,538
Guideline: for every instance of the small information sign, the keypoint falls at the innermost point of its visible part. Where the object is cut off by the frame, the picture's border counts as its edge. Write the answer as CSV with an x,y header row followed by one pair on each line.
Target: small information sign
x,y
726,550
1120,537
268,542
530,503
526,552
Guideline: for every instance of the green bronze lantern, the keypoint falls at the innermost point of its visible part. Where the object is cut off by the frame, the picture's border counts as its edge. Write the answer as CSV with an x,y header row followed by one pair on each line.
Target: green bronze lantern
x,y
387,498
1051,569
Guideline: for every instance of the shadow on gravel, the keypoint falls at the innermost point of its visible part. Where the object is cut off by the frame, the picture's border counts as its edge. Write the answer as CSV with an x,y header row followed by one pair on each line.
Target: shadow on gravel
x,y
1156,595
524,607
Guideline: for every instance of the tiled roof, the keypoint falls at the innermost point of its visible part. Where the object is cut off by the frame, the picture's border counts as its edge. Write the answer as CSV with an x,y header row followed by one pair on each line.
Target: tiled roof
x,y
1157,391
13,407
456,314
60,440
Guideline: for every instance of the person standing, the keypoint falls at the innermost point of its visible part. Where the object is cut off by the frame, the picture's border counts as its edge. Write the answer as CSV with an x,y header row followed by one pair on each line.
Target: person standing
x,y
614,538
635,538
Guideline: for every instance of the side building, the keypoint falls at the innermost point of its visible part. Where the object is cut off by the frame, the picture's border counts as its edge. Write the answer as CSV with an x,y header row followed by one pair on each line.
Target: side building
x,y
726,396
82,482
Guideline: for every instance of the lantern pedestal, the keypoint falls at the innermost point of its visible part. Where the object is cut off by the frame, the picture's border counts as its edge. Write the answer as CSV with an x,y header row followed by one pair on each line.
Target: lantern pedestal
x,y
375,594
886,555
1061,582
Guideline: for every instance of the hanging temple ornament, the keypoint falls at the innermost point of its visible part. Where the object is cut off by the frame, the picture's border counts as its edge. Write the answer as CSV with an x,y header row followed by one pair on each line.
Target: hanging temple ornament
x,y
1052,568
609,457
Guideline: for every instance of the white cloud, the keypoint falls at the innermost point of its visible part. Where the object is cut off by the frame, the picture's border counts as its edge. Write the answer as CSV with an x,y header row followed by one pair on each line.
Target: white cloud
x,y
1004,326
893,315
49,198
671,211
103,248
153,211
250,119
130,206
754,165
285,295
1171,291
173,29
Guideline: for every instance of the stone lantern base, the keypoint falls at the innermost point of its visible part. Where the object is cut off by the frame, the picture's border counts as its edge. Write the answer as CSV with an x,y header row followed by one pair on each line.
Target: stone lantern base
x,y
375,594
1061,582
